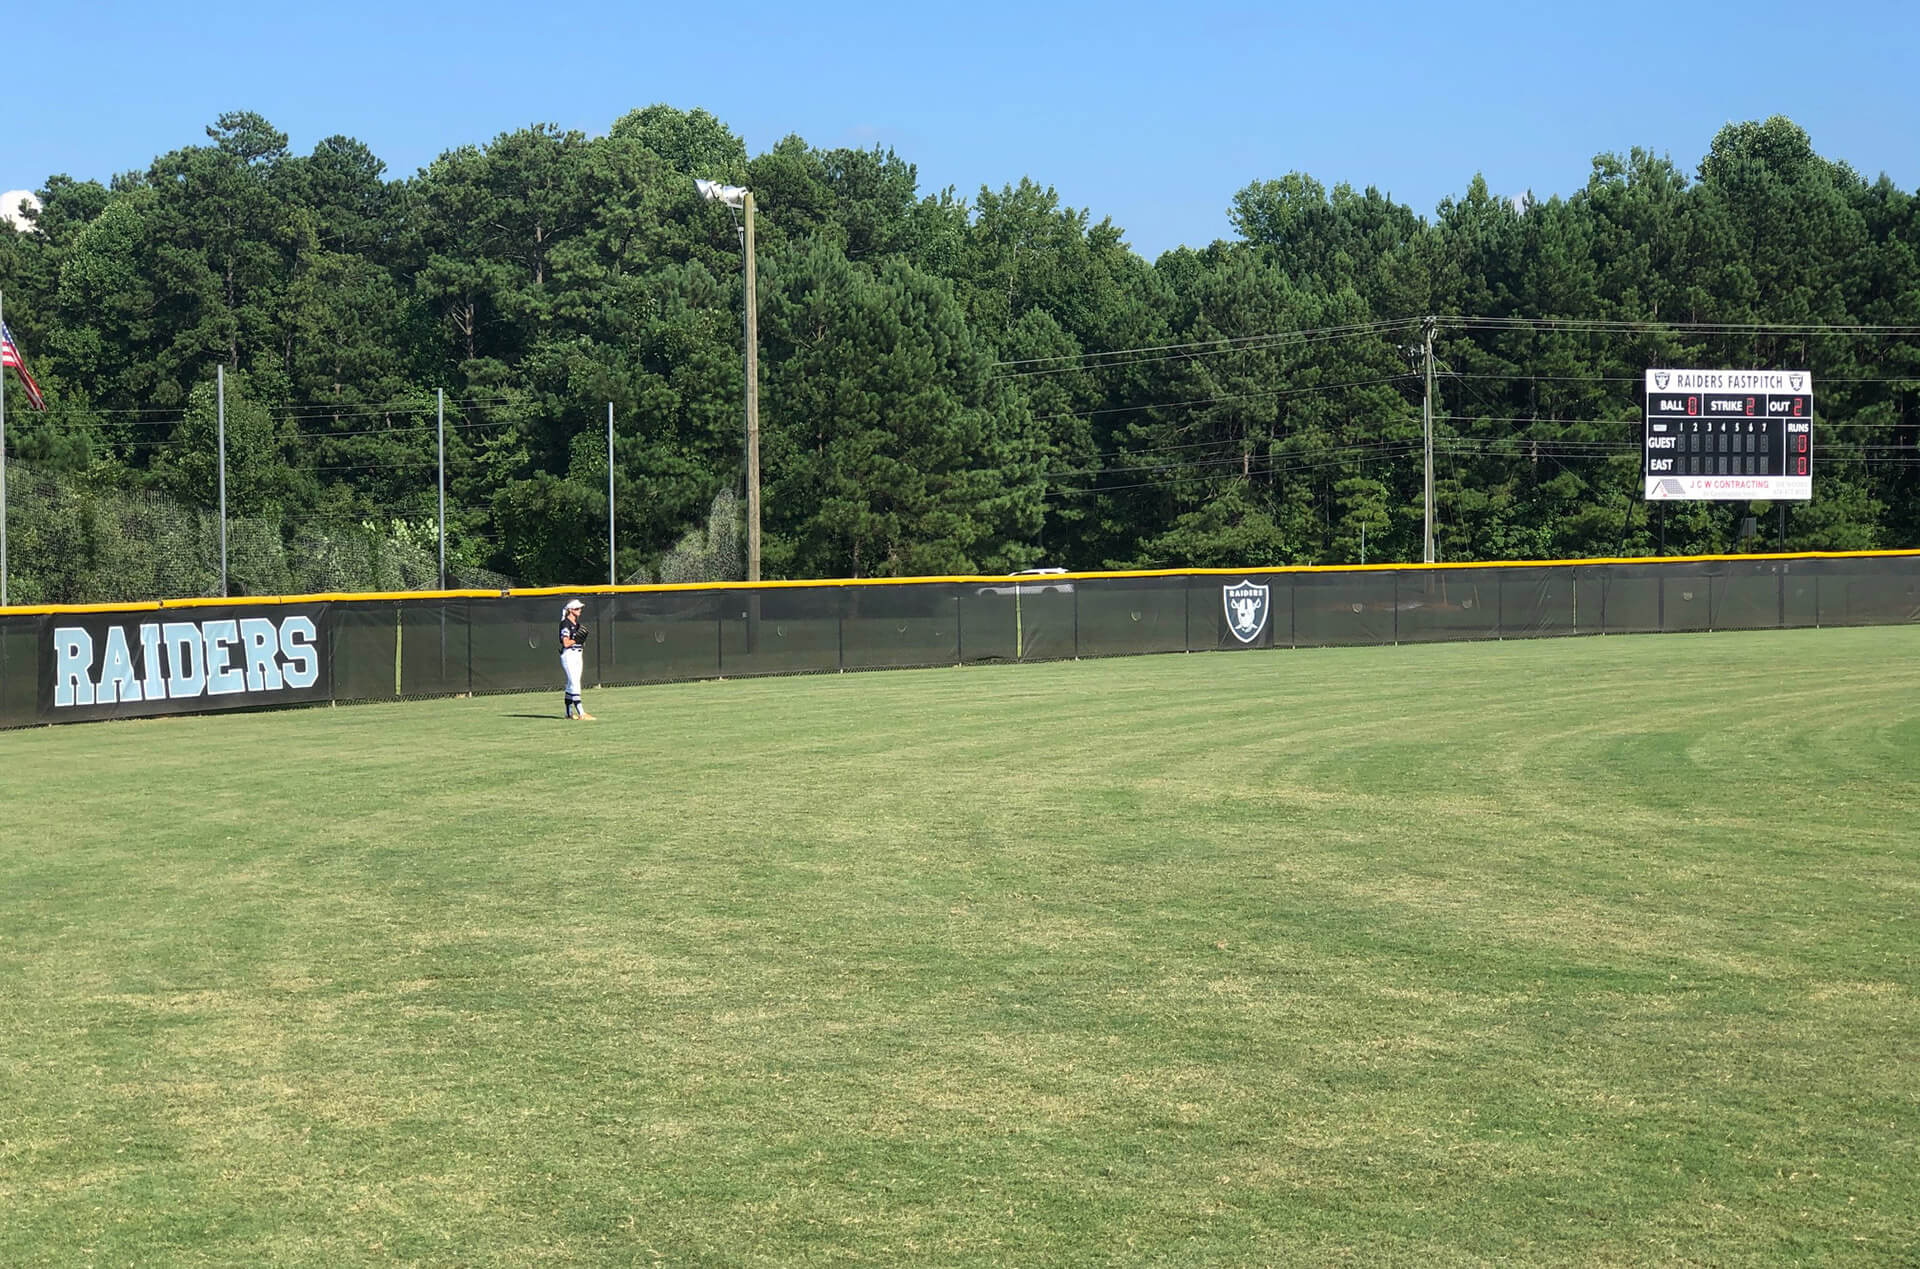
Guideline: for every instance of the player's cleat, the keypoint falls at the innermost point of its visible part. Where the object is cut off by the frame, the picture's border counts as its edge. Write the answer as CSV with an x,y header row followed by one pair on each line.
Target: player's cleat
x,y
584,716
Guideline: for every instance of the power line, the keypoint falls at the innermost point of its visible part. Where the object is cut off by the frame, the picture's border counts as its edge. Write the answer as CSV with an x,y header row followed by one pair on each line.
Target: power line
x,y
1265,466
1102,359
1253,343
1223,344
1196,402
1238,455
1621,325
360,408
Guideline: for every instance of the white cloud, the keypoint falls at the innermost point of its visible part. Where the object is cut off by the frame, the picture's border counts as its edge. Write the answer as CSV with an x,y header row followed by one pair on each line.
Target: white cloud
x,y
10,208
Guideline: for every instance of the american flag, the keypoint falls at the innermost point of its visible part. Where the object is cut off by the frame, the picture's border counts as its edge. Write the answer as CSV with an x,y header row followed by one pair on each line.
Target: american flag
x,y
10,356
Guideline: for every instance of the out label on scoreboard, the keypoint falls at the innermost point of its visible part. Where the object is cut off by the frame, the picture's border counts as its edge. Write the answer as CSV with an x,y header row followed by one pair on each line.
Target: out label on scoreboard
x,y
1732,435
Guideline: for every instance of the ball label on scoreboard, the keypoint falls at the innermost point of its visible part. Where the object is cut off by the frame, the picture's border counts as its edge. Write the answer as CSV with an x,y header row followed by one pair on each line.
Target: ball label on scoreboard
x,y
1731,435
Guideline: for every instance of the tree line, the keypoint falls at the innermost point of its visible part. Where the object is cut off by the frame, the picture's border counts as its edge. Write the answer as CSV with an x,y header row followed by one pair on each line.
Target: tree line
x,y
946,386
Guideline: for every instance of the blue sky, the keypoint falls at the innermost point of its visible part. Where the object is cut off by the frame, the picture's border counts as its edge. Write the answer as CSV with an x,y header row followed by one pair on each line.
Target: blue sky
x,y
1154,115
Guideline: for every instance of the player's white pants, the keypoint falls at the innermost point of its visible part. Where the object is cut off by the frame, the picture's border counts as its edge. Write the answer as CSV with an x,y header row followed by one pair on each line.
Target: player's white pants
x,y
570,659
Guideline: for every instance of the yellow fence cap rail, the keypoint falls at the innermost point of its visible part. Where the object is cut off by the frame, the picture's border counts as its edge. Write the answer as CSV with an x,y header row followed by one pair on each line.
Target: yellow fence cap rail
x,y
1035,579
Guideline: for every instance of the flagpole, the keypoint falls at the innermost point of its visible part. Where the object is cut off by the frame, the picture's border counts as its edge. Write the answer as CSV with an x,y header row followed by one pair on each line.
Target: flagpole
x,y
3,463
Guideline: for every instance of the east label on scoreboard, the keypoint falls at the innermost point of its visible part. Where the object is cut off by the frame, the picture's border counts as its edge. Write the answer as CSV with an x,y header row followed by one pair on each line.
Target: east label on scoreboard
x,y
1731,435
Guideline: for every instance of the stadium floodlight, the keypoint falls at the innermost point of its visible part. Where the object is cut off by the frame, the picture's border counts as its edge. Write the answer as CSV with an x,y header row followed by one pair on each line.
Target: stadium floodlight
x,y
740,198
731,195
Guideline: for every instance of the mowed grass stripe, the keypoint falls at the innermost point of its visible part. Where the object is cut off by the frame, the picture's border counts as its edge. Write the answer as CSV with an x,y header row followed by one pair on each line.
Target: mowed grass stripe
x,y
1572,951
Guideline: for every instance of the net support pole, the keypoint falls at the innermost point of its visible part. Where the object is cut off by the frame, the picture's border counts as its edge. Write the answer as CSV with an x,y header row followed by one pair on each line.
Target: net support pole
x,y
3,466
1426,420
612,580
440,448
220,393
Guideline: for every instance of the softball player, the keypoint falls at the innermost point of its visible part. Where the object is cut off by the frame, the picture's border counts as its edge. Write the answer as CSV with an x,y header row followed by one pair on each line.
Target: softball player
x,y
573,637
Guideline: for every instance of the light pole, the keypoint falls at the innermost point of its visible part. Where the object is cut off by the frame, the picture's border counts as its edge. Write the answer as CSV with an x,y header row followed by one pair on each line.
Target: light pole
x,y
1426,420
741,198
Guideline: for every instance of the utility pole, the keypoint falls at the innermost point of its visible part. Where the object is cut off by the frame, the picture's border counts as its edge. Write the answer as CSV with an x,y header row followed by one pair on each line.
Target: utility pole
x,y
753,403
1426,417
740,199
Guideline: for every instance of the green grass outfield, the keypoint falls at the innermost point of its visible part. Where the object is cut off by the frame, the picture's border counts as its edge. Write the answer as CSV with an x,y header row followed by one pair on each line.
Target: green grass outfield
x,y
1578,951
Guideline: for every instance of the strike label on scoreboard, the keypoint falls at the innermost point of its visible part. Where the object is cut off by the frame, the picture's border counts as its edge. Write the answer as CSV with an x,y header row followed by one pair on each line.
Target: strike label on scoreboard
x,y
1732,435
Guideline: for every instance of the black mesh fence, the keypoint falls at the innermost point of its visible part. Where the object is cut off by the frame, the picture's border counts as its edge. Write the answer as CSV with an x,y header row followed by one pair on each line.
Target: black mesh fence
x,y
1332,609
123,662
1125,616
657,636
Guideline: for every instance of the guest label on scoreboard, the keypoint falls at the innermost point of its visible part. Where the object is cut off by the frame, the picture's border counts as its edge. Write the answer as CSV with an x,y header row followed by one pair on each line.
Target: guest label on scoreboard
x,y
1730,435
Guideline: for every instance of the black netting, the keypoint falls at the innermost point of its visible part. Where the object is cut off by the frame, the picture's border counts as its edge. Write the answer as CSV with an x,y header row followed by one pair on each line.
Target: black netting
x,y
365,648
658,636
1617,599
1027,620
991,623
387,648
20,639
1867,592
786,630
886,627
1131,615
1447,605
1802,587
1536,603
1343,608
435,650
1749,595
516,643
1686,597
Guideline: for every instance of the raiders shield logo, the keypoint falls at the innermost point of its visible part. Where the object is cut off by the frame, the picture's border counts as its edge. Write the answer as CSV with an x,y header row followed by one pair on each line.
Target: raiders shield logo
x,y
1246,610
1660,378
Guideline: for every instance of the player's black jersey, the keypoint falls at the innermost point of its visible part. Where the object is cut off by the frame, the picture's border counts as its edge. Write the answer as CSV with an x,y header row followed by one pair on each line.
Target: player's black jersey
x,y
571,629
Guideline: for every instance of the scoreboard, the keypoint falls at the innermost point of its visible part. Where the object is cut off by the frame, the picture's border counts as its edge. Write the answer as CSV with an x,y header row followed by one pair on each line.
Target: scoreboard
x,y
1732,435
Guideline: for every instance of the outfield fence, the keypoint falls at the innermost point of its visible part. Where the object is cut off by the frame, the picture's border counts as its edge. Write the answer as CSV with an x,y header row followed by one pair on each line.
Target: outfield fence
x,y
76,663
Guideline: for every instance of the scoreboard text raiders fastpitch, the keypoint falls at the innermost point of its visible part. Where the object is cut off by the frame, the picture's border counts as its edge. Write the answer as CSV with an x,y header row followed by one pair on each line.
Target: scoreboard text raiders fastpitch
x,y
1729,434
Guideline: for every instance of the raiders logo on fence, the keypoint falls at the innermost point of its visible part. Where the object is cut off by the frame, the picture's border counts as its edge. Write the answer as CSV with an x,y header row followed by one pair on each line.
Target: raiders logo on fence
x,y
1247,608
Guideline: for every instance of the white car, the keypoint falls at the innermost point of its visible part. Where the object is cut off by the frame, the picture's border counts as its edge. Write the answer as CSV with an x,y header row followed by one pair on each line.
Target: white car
x,y
1032,581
